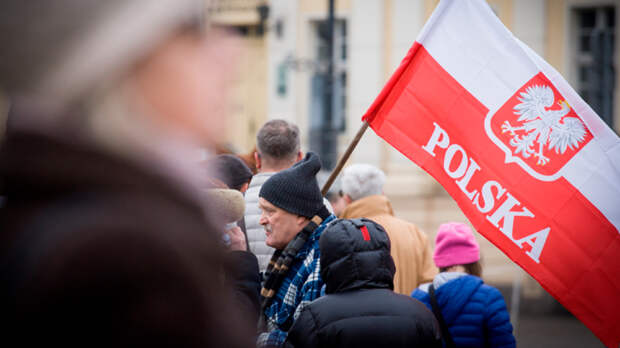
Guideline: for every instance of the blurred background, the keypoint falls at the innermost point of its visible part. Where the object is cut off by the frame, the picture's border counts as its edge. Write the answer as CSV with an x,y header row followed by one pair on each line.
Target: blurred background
x,y
285,75
321,63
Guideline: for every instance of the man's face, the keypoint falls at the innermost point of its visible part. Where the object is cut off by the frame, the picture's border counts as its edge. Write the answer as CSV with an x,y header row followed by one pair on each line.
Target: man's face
x,y
338,204
280,225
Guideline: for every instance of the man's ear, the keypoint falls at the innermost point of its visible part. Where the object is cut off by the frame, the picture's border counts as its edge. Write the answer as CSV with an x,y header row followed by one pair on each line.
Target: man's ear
x,y
302,221
244,187
300,156
347,199
257,160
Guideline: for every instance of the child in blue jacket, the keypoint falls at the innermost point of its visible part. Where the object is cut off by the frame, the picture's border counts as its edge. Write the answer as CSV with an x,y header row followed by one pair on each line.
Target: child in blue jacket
x,y
474,313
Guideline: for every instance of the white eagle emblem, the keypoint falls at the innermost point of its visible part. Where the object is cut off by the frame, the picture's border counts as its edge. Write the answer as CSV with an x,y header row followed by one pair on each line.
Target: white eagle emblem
x,y
547,127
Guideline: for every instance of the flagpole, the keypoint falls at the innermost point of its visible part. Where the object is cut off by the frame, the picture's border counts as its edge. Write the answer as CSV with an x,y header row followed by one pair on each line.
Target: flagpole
x,y
344,158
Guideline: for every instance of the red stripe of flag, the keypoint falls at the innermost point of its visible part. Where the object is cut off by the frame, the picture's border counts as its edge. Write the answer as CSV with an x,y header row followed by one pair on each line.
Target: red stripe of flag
x,y
580,247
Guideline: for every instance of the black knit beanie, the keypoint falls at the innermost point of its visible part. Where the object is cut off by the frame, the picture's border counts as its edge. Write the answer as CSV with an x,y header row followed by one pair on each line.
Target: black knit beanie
x,y
295,189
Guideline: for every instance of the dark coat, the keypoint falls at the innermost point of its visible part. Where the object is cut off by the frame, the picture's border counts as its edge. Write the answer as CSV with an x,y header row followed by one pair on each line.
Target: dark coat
x,y
360,308
96,250
475,313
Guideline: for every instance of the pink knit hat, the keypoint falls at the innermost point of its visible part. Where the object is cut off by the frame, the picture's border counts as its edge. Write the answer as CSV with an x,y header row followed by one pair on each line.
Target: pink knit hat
x,y
455,245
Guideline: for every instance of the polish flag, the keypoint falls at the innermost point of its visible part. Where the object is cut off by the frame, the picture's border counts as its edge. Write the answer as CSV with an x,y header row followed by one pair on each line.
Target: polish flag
x,y
533,167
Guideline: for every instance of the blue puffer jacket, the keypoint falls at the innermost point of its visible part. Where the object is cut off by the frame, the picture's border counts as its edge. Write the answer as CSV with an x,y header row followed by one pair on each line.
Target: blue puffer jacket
x,y
475,313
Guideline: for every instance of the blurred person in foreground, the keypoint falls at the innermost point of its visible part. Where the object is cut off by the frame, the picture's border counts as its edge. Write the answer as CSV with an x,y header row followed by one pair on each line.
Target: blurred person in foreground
x,y
359,308
362,188
471,313
106,238
293,217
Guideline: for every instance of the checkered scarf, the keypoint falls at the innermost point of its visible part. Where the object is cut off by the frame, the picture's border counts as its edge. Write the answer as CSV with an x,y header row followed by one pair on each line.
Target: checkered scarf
x,y
299,286
282,259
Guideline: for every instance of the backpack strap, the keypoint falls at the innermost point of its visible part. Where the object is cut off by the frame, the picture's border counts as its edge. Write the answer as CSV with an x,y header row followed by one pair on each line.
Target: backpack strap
x,y
442,323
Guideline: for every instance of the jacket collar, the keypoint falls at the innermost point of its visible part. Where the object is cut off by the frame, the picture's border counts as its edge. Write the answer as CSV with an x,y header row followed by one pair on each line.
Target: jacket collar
x,y
441,279
368,206
259,179
312,242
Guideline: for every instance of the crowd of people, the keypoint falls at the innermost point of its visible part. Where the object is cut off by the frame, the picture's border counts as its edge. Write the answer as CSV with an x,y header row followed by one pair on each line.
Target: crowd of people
x,y
345,272
114,233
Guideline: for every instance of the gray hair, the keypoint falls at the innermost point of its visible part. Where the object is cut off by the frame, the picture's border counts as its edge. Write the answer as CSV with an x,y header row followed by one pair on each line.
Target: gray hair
x,y
278,140
362,180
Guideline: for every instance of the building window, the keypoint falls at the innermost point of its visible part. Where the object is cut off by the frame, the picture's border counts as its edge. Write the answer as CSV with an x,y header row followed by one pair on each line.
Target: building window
x,y
319,75
281,79
594,64
323,137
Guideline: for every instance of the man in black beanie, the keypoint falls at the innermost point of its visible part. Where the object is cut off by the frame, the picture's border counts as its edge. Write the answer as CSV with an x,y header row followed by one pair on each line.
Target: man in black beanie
x,y
293,215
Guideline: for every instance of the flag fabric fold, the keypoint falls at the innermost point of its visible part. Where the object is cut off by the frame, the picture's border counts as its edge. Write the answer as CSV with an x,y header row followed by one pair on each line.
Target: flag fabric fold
x,y
532,166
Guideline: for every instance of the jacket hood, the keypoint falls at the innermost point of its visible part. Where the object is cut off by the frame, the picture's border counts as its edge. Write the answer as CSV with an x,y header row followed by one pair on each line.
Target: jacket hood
x,y
355,254
368,206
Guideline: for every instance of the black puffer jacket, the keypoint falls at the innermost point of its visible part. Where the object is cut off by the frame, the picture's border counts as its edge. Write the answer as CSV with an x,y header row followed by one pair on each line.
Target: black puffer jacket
x,y
360,308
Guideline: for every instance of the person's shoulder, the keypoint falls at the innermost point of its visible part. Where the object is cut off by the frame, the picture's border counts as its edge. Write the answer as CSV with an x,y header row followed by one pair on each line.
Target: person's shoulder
x,y
255,185
253,189
403,305
413,228
324,302
259,179
395,221
328,221
421,291
466,281
491,293
407,232
409,300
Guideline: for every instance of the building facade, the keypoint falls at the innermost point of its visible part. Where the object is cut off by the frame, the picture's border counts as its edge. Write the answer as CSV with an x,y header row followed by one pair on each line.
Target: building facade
x,y
578,37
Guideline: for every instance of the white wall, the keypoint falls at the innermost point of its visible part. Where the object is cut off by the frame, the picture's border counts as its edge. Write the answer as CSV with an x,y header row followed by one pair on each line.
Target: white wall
x,y
529,23
366,76
407,22
278,50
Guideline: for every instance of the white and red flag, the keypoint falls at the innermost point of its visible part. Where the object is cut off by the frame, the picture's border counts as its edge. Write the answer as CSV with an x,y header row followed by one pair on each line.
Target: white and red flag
x,y
533,167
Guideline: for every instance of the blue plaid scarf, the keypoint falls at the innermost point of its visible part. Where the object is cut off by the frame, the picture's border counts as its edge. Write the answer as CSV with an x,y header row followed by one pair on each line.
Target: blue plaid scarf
x,y
301,285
